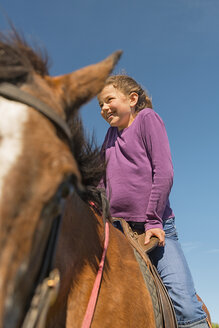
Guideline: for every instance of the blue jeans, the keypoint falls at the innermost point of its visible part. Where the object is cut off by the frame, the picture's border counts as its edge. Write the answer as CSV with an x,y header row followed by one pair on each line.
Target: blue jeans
x,y
175,274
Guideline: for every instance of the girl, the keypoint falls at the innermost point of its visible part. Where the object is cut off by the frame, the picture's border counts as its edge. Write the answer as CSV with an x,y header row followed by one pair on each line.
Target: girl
x,y
139,178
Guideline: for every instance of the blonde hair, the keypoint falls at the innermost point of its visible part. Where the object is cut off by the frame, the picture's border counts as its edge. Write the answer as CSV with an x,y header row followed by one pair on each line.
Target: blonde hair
x,y
127,85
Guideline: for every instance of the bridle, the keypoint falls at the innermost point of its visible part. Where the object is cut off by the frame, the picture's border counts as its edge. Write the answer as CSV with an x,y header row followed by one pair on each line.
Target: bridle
x,y
12,92
47,281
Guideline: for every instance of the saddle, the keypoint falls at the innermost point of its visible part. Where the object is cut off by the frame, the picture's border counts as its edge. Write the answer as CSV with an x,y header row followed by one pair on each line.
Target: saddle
x,y
163,308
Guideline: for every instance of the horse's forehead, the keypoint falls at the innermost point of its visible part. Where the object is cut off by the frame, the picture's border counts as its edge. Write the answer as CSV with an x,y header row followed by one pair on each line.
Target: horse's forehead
x,y
13,116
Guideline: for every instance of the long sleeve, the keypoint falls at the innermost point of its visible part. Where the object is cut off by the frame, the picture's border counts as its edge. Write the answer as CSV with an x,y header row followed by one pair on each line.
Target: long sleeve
x,y
102,183
158,150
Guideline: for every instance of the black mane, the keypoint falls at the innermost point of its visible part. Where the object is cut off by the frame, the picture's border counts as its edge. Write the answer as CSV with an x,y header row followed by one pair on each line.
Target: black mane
x,y
18,60
89,159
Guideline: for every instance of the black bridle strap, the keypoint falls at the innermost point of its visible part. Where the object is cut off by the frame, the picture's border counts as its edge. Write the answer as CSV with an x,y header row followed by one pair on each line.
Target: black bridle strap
x,y
12,92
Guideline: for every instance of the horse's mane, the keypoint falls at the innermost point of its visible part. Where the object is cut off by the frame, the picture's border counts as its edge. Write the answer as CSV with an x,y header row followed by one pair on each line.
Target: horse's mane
x,y
18,60
90,162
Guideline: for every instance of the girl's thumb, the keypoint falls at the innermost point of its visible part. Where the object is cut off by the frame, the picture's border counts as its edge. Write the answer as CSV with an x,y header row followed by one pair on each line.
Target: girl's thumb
x,y
147,237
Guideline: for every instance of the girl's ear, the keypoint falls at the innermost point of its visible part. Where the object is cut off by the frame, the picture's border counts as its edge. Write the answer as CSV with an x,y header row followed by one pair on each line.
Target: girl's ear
x,y
133,99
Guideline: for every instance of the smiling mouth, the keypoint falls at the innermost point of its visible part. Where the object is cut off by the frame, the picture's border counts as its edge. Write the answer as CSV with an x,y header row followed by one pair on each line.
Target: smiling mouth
x,y
109,116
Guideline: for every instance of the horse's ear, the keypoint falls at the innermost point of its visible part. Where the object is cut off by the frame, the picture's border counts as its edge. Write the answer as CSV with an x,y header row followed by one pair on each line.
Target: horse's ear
x,y
76,88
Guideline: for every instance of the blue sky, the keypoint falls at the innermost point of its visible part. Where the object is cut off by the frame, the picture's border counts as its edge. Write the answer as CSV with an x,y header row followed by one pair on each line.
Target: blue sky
x,y
171,47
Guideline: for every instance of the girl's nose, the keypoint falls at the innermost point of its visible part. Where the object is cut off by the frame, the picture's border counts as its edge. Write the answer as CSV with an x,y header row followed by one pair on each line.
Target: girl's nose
x,y
105,107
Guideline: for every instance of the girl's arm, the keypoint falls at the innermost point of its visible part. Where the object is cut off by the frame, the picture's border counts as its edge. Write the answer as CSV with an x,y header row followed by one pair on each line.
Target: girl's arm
x,y
102,183
158,150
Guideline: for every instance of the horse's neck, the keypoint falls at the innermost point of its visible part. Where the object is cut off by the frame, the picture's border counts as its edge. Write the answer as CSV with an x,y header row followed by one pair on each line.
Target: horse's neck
x,y
78,253
81,237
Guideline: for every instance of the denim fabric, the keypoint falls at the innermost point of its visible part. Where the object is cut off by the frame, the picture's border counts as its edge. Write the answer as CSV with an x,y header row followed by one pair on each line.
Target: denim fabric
x,y
198,324
175,274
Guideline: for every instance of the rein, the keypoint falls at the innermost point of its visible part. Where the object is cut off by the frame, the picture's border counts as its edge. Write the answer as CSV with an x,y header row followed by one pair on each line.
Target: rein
x,y
96,287
46,286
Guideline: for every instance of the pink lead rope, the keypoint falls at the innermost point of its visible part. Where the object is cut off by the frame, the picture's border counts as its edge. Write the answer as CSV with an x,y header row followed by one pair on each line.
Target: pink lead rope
x,y
93,298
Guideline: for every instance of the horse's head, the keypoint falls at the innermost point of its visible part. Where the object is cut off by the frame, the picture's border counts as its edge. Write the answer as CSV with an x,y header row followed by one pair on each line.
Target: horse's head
x,y
35,158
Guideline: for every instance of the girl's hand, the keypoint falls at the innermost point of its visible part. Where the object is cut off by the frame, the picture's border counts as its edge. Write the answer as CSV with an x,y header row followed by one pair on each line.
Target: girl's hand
x,y
159,233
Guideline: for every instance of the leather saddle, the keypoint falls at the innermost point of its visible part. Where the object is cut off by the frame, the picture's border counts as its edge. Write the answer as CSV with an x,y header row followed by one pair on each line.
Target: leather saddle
x,y
163,308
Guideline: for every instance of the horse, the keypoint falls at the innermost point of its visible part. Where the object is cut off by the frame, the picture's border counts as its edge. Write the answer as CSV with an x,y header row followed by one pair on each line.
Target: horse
x,y
49,170
51,212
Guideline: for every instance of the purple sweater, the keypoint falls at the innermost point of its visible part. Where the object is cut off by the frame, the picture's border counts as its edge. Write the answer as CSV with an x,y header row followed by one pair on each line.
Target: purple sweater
x,y
139,172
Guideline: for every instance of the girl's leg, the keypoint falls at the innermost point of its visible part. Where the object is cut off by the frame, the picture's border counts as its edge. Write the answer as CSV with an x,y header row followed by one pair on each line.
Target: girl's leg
x,y
175,274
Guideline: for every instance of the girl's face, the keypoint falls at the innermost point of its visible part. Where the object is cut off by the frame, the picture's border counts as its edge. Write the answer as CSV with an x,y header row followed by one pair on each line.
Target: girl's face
x,y
117,108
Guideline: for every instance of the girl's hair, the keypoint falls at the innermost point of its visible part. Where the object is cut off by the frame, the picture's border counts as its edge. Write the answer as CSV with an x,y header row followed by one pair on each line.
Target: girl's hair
x,y
127,85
